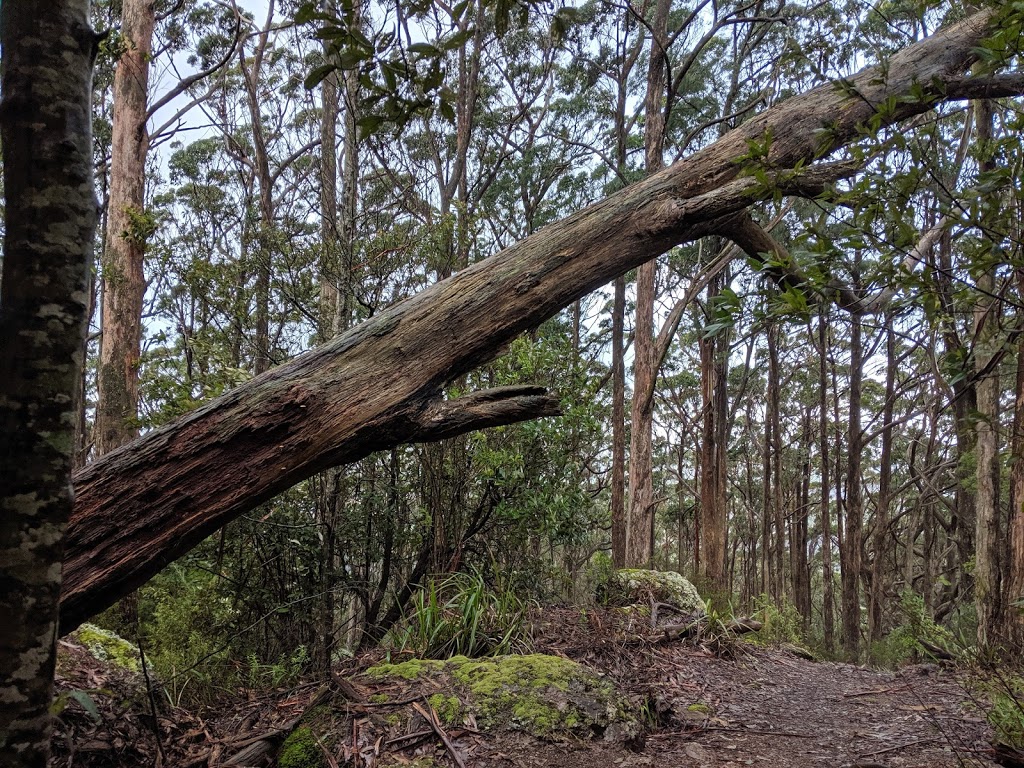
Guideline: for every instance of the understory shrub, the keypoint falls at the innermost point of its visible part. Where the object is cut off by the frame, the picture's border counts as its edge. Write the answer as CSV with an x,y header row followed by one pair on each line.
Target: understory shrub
x,y
461,615
904,643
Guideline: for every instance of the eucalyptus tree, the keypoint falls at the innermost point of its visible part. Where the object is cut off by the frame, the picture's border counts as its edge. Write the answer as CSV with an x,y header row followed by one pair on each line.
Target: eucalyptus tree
x,y
129,225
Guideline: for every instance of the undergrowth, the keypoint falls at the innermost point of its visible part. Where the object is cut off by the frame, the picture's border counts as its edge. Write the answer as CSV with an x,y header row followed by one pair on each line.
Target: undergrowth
x,y
461,615
917,626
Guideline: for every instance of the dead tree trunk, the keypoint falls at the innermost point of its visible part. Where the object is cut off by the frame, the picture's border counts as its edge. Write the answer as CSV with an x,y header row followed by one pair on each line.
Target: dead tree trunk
x,y
144,505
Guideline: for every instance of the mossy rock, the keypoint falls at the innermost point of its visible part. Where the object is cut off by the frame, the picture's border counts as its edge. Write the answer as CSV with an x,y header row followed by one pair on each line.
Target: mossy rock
x,y
631,586
546,696
300,750
109,646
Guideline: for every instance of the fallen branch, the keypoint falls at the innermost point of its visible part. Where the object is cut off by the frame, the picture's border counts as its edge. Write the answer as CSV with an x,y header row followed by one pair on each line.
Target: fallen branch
x,y
430,715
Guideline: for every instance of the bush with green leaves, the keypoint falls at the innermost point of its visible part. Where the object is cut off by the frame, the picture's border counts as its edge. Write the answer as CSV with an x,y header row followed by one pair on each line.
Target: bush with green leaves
x,y
462,615
904,643
1007,711
782,622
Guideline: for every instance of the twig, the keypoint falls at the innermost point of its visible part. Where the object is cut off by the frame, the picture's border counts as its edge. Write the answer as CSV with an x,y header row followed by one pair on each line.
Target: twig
x,y
152,700
913,743
756,732
876,691
435,722
411,737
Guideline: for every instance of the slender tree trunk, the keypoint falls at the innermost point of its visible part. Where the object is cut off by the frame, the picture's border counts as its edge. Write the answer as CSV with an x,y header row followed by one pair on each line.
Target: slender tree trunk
x,y
854,512
124,286
266,236
639,541
773,468
881,525
618,481
49,226
800,574
714,394
330,266
628,57
986,329
1013,614
827,575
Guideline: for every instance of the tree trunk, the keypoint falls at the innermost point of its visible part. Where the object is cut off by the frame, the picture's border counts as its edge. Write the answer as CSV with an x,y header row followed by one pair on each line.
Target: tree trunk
x,y
266,237
881,525
853,549
618,481
50,223
714,397
640,518
1013,614
140,507
986,332
117,380
827,575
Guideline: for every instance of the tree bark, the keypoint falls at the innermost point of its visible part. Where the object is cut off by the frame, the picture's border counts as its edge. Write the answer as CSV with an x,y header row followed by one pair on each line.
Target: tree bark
x,y
986,334
117,379
144,505
827,575
50,222
1013,614
881,523
714,405
618,481
853,548
640,517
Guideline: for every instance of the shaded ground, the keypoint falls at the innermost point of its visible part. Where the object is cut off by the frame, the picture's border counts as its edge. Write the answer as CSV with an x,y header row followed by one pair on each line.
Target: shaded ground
x,y
762,707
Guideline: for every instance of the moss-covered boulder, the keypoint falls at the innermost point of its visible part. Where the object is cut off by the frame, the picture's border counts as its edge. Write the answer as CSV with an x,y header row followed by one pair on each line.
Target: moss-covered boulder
x,y
108,646
547,696
630,586
300,750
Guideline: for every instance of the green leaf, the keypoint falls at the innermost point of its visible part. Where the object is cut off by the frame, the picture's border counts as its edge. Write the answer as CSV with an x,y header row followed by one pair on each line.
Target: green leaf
x,y
425,49
87,703
317,76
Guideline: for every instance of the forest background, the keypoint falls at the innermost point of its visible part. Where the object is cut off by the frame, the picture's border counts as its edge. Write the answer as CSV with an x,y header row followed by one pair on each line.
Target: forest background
x,y
819,416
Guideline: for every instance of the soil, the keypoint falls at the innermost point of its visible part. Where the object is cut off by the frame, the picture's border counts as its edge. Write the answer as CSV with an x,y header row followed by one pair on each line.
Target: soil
x,y
708,707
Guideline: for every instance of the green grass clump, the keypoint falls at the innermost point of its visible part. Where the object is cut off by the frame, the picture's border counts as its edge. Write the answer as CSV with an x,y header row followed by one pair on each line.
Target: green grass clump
x,y
462,615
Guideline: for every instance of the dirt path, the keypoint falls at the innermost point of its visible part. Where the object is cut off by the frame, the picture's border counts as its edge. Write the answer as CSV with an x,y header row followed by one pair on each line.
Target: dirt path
x,y
764,707
769,708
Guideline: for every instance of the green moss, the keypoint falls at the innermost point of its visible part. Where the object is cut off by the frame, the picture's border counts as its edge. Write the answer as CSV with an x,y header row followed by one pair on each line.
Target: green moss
x,y
407,670
393,719
543,695
300,750
448,708
636,585
699,706
108,646
379,698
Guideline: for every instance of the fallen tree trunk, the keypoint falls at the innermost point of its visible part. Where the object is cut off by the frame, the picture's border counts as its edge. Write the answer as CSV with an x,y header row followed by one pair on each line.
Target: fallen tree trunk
x,y
146,504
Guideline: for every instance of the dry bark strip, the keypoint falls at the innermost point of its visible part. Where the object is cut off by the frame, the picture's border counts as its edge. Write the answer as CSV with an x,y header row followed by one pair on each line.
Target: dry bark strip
x,y
146,504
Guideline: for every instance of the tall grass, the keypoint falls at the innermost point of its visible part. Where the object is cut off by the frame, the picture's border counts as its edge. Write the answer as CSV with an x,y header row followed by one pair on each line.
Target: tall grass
x,y
461,615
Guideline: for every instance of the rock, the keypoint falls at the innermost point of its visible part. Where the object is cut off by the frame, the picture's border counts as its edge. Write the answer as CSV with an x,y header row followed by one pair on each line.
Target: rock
x,y
108,646
636,586
546,696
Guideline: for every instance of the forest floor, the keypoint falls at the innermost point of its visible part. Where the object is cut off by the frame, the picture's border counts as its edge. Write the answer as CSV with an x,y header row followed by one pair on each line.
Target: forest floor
x,y
739,705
